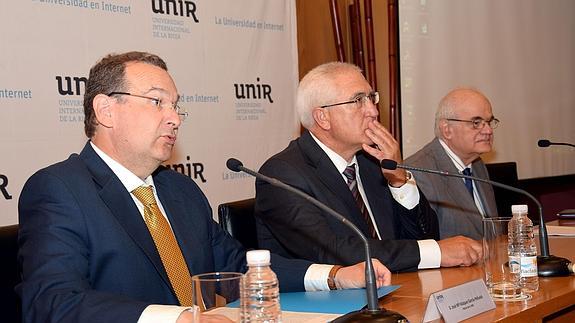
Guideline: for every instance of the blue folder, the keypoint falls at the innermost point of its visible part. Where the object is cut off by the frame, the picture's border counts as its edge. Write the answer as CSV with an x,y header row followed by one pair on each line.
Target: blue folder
x,y
334,302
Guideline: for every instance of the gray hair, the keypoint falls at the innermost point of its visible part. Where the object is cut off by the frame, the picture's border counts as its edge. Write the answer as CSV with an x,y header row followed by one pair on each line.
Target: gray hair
x,y
317,87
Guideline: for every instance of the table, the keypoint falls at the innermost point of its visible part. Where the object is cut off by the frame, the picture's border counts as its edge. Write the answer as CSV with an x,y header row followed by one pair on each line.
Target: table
x,y
556,295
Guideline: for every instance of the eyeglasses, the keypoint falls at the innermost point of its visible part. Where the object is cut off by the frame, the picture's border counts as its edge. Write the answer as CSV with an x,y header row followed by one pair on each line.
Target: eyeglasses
x,y
359,100
158,103
479,123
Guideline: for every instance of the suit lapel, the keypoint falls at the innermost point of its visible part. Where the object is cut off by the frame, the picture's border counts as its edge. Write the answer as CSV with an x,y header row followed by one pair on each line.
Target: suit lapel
x,y
484,190
122,206
181,226
333,181
454,186
373,185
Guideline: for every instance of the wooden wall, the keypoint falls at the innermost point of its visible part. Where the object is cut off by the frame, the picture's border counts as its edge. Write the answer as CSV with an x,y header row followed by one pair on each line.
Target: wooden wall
x,y
316,42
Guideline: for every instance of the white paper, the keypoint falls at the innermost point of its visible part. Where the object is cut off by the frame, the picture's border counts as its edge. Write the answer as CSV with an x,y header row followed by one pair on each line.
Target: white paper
x,y
287,317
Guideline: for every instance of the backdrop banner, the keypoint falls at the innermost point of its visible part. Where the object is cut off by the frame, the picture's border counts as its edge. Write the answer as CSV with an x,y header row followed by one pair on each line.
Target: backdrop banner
x,y
234,63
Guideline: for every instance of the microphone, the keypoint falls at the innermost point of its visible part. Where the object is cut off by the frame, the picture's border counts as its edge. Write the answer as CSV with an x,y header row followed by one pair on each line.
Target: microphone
x,y
547,265
546,143
373,312
543,143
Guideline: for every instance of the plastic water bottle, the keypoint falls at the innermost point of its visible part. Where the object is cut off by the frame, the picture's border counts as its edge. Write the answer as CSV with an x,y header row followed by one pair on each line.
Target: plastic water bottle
x,y
522,249
259,294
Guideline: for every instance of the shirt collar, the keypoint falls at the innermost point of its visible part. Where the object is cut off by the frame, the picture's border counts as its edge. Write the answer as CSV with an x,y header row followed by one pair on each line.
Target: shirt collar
x,y
339,162
454,158
128,179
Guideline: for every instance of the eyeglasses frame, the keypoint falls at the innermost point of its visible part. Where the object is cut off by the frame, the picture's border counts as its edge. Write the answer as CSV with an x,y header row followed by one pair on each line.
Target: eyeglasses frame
x,y
358,99
174,106
493,122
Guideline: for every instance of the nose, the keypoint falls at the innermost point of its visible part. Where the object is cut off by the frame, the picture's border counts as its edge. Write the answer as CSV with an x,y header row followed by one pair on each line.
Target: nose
x,y
371,109
173,118
487,129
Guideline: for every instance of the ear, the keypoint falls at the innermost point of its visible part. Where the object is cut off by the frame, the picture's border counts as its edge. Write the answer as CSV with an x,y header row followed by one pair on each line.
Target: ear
x,y
103,110
445,129
321,117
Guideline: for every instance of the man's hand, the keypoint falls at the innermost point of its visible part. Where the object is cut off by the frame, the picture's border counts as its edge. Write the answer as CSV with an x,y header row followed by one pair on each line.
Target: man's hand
x,y
459,251
386,147
354,276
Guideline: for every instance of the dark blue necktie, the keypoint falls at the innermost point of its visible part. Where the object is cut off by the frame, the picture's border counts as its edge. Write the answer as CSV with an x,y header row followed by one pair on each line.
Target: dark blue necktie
x,y
468,182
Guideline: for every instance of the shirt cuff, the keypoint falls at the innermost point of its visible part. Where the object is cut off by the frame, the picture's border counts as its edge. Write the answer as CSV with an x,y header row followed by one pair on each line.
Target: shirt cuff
x,y
407,195
429,254
161,313
315,278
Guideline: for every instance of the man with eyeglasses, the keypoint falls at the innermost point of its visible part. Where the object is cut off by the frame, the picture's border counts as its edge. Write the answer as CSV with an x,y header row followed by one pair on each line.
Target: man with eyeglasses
x,y
336,160
109,235
464,124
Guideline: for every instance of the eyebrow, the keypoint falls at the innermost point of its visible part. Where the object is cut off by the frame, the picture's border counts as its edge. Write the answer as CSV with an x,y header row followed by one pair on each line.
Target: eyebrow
x,y
479,117
357,94
163,91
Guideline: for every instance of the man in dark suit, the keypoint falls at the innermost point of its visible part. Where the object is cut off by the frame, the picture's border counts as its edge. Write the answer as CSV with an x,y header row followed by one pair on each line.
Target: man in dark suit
x,y
110,235
464,124
336,160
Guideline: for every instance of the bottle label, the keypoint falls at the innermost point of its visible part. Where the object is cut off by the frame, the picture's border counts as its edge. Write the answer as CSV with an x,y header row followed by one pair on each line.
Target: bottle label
x,y
514,264
529,266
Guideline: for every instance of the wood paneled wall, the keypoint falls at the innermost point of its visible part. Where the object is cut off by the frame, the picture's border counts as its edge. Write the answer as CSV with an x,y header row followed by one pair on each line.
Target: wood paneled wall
x,y
316,43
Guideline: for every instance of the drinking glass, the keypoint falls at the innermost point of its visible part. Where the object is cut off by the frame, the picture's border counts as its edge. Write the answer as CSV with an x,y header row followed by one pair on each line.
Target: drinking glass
x,y
501,282
211,292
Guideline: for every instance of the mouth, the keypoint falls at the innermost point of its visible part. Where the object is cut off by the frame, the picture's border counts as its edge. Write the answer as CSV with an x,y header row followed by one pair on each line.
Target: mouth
x,y
170,139
484,141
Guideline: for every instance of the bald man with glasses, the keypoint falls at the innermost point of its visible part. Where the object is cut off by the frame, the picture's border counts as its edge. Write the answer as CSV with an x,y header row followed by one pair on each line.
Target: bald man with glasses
x,y
336,160
464,125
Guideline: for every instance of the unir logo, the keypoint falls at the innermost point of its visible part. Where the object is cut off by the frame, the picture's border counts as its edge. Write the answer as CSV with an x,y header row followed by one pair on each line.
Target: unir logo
x,y
3,187
192,170
176,8
254,91
71,85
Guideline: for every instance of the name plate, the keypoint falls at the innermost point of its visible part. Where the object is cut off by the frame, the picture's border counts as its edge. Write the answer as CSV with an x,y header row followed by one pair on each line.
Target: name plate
x,y
458,303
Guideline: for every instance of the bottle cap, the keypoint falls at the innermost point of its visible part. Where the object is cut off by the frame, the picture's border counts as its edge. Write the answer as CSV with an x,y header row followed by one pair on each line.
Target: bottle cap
x,y
258,257
522,208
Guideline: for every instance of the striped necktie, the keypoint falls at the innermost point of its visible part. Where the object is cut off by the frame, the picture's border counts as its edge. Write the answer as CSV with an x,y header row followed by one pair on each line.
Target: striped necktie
x,y
468,182
349,173
167,245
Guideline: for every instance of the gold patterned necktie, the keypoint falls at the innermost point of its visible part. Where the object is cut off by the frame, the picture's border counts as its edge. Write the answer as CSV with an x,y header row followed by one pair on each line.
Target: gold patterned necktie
x,y
167,245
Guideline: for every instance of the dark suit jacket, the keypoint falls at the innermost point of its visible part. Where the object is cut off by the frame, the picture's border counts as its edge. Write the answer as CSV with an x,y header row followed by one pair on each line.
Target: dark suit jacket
x,y
87,256
448,196
293,227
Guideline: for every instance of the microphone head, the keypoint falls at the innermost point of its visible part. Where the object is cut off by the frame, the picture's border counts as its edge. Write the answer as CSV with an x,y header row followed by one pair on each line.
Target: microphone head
x,y
234,164
388,164
543,143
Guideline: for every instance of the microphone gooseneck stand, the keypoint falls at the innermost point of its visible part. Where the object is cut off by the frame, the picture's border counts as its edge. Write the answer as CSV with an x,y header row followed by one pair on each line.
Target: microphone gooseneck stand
x,y
373,313
547,265
546,143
